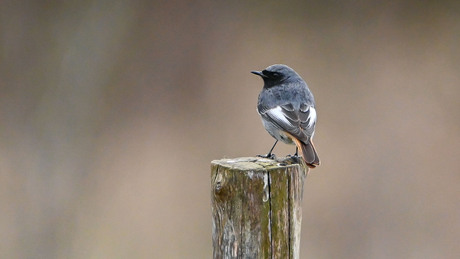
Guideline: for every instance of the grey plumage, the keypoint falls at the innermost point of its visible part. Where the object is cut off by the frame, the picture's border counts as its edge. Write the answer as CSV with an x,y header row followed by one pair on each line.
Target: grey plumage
x,y
287,109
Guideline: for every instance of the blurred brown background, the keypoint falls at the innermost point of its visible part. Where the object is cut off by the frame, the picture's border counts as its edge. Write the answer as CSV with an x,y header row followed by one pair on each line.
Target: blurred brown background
x,y
111,111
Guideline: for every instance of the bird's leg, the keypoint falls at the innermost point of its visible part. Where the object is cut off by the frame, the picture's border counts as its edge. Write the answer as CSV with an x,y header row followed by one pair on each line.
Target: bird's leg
x,y
296,153
295,157
270,152
270,155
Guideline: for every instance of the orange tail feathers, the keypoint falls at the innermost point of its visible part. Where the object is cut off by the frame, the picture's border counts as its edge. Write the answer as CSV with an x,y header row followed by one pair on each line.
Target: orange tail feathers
x,y
308,152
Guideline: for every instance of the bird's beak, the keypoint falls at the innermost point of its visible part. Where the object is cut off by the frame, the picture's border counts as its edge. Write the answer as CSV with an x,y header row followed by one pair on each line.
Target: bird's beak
x,y
259,73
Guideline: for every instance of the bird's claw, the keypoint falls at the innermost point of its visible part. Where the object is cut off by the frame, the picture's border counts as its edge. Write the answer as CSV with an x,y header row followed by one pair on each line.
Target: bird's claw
x,y
295,157
270,156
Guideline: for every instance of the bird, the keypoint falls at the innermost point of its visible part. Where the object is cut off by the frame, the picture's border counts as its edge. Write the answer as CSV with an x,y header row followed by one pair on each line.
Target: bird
x,y
287,109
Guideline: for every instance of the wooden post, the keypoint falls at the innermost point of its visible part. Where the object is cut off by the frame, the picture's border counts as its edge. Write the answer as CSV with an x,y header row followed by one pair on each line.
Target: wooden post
x,y
256,207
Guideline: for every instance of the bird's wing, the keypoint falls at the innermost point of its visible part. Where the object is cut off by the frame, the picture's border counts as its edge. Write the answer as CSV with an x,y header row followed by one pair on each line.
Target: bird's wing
x,y
298,122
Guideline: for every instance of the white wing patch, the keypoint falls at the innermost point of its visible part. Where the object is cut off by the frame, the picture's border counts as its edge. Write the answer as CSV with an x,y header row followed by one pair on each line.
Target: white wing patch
x,y
311,117
277,113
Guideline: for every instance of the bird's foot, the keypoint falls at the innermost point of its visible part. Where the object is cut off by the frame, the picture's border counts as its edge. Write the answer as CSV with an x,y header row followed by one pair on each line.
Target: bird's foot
x,y
294,157
269,155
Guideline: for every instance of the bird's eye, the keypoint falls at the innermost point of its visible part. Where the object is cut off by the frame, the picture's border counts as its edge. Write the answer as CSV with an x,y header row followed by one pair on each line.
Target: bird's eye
x,y
276,74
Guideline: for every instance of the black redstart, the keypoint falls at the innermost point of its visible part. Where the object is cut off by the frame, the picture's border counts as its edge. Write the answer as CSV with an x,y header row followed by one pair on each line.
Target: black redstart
x,y
287,108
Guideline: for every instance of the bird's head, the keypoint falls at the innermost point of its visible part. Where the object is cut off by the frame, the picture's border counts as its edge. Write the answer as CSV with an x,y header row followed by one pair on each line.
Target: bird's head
x,y
277,74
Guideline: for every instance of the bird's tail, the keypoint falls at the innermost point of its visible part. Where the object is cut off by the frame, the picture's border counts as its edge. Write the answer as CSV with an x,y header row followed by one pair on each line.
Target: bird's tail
x,y
308,152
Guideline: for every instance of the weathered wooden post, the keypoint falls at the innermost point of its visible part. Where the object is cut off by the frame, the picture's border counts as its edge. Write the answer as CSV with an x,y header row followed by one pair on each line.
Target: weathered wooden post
x,y
256,207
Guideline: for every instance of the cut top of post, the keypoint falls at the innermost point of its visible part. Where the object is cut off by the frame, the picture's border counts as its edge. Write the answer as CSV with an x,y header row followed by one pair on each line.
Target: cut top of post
x,y
258,163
